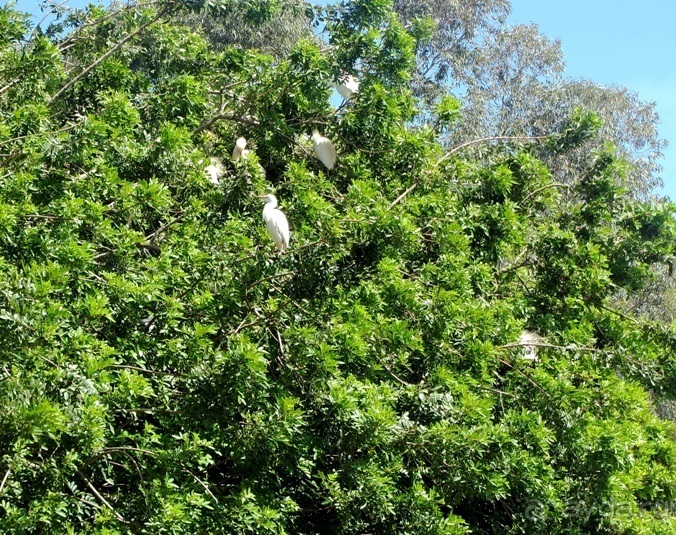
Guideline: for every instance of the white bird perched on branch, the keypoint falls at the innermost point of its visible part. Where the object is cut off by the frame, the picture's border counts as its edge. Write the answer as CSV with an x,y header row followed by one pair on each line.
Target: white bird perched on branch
x,y
530,352
276,222
240,150
324,149
347,86
215,170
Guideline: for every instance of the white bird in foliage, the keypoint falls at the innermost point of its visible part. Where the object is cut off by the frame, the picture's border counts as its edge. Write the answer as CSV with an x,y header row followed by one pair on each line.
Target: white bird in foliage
x,y
215,170
276,222
348,86
240,150
529,341
324,149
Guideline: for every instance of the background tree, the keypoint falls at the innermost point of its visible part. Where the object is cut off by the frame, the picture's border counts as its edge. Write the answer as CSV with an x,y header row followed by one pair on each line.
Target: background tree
x,y
163,370
275,35
510,81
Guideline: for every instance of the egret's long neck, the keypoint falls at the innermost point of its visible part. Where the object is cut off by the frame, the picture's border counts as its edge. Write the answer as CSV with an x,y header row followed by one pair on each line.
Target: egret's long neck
x,y
269,207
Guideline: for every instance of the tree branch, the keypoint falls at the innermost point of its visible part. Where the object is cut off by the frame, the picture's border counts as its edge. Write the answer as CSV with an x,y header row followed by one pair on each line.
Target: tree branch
x,y
4,479
201,483
517,370
491,138
398,199
553,185
552,346
144,370
224,116
101,498
271,277
467,144
110,52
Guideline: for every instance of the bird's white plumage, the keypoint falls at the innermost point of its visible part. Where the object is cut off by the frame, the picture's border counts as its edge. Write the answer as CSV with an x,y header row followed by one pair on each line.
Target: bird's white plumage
x,y
324,150
348,86
240,150
276,223
215,170
530,352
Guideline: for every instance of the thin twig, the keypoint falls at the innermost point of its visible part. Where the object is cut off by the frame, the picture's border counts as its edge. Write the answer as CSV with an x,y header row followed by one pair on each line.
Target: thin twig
x,y
620,314
51,11
553,185
201,483
149,410
271,277
62,129
72,37
126,448
144,370
101,498
279,339
10,85
4,479
394,375
490,138
114,449
151,237
42,216
140,475
501,392
398,199
525,376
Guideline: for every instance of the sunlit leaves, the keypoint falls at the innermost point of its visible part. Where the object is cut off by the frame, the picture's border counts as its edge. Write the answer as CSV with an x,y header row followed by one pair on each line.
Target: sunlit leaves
x,y
164,370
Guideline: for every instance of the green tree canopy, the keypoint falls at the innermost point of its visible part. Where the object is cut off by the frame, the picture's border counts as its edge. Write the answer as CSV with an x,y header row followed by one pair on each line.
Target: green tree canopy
x,y
164,370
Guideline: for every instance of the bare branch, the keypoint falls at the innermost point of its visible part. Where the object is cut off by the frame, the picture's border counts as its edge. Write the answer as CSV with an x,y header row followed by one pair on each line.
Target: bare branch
x,y
10,85
151,237
394,375
271,277
63,129
201,483
398,199
101,498
144,370
474,142
49,12
552,346
483,139
4,479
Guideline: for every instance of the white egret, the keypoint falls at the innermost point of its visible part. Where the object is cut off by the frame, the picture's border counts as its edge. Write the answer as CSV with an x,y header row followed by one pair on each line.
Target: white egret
x,y
215,170
240,150
348,86
276,222
324,149
530,352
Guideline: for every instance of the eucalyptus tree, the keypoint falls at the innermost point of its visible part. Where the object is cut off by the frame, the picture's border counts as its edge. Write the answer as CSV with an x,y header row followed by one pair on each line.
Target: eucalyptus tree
x,y
515,87
275,31
511,82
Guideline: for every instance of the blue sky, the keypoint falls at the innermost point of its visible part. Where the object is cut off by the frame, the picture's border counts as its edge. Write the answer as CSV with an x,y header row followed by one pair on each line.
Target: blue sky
x,y
622,42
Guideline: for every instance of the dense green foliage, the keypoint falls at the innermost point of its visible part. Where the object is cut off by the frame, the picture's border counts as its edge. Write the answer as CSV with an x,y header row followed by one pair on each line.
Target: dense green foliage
x,y
163,370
